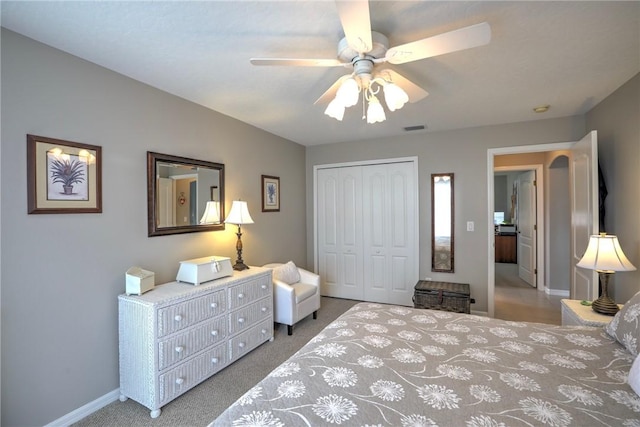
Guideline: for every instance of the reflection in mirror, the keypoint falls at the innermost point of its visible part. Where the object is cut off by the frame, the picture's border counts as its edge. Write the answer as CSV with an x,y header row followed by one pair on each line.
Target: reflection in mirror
x,y
184,195
442,203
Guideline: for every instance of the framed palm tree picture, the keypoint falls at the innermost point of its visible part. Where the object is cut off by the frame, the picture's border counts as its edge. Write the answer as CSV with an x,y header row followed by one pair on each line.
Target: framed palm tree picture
x,y
63,176
270,193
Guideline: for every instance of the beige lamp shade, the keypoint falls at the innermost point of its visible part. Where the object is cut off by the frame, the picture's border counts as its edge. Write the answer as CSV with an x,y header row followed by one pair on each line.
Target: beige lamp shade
x,y
605,254
211,213
239,213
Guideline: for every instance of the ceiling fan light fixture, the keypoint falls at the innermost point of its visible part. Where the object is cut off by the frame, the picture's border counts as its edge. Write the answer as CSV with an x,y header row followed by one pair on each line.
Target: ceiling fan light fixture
x,y
335,109
394,96
375,112
349,92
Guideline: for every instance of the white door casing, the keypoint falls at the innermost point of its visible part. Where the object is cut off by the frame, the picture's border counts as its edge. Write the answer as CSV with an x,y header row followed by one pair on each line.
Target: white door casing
x,y
527,225
583,171
593,191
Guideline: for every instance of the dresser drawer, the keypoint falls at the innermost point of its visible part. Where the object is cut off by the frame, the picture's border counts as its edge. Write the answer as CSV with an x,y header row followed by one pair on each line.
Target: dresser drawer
x,y
183,345
180,379
182,315
249,315
247,292
216,359
250,339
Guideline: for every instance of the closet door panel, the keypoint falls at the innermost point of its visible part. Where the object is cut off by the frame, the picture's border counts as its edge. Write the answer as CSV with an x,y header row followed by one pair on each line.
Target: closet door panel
x,y
327,194
402,241
375,218
350,232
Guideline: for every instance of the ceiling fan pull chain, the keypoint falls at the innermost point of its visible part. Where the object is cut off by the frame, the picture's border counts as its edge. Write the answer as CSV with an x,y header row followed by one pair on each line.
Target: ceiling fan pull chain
x,y
364,97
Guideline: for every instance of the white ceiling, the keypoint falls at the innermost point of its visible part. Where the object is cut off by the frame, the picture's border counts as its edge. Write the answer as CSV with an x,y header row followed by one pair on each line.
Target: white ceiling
x,y
570,55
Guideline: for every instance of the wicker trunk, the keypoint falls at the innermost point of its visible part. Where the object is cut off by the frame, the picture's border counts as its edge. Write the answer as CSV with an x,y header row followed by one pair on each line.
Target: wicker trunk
x,y
445,296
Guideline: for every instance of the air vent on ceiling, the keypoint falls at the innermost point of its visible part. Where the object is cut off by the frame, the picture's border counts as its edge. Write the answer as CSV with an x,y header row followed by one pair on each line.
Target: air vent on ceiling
x,y
414,128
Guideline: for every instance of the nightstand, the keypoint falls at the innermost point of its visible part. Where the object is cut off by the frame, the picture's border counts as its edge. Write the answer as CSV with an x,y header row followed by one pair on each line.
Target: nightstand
x,y
576,314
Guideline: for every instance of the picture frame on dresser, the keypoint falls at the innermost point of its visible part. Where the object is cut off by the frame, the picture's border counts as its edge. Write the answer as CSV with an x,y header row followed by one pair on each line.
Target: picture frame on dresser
x,y
270,193
63,176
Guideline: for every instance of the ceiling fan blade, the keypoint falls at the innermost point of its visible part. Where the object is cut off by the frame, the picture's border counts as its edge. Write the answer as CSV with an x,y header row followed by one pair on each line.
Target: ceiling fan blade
x,y
331,92
415,92
356,23
299,62
463,38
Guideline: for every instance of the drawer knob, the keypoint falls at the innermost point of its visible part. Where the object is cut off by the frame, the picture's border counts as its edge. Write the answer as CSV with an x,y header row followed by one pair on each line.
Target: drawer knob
x,y
241,345
240,296
264,309
214,360
264,331
179,349
178,318
179,381
214,333
214,305
240,319
264,286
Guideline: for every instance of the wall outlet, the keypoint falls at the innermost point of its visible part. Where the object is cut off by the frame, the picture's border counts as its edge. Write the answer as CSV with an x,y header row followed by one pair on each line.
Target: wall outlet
x,y
470,226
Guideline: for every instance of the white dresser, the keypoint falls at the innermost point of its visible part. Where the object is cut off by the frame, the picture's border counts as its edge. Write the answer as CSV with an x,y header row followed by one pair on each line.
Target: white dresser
x,y
178,335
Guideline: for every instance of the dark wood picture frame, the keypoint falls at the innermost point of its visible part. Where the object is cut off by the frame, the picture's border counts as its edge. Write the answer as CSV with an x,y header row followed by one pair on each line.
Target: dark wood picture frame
x,y
63,177
270,193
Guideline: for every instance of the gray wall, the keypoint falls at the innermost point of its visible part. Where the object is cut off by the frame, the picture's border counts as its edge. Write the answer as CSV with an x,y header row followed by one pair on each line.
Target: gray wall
x,y
463,152
616,120
501,195
61,274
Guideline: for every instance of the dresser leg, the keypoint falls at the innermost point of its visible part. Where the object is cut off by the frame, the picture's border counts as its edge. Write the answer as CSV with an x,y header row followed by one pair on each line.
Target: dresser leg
x,y
155,413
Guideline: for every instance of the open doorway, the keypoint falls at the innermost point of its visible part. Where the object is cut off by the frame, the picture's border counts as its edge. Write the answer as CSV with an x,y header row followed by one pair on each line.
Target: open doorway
x,y
554,259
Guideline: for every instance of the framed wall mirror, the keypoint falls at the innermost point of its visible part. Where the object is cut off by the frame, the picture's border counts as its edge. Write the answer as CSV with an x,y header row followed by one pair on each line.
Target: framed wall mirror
x,y
442,215
183,195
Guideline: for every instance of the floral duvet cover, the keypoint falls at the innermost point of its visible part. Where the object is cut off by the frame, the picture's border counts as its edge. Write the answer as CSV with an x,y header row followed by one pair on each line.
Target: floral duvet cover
x,y
385,365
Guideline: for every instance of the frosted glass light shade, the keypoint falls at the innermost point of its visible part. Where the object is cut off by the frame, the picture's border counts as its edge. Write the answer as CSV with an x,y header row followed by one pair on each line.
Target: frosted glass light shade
x,y
335,109
605,254
375,112
348,92
394,96
211,213
239,213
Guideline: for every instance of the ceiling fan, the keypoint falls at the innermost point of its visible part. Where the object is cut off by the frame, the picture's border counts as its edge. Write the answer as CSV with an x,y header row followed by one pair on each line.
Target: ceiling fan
x,y
365,51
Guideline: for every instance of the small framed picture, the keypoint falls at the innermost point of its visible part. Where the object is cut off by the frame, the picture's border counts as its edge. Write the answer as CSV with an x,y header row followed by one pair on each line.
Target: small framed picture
x,y
63,176
270,193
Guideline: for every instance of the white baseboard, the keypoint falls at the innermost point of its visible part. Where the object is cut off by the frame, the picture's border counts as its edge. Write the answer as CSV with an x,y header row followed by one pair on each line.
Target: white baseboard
x,y
557,292
86,410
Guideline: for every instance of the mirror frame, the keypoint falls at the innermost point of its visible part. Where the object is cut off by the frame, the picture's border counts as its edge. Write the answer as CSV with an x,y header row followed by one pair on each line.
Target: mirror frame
x,y
433,233
152,192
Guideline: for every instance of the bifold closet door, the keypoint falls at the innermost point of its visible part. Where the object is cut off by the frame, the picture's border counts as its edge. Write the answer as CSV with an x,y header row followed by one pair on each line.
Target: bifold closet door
x,y
389,235
367,234
339,216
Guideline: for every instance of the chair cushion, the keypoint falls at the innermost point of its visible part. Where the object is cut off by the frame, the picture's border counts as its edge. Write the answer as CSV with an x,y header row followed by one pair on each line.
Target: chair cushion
x,y
287,273
303,291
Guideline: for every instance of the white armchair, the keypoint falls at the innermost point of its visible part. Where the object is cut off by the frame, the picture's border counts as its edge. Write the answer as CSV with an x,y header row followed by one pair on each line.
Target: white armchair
x,y
296,294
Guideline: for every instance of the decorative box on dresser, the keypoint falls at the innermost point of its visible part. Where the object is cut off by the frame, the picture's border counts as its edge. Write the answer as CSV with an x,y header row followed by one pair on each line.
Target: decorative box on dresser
x,y
178,335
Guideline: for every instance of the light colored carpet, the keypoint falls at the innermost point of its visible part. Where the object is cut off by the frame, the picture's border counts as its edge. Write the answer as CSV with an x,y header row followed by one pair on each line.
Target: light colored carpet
x,y
202,404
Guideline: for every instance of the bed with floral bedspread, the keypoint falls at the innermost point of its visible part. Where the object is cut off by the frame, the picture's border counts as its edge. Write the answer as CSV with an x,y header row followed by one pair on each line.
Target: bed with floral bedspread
x,y
385,365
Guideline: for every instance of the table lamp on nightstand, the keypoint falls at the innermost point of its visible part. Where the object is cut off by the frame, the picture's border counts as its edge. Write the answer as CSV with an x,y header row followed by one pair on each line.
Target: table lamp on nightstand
x,y
605,256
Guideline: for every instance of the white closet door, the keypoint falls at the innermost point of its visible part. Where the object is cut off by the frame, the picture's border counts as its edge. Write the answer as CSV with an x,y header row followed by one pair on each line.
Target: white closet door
x,y
389,235
339,213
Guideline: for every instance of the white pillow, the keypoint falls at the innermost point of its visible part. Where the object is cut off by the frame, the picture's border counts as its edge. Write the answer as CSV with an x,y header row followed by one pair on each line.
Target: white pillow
x,y
634,376
625,325
287,273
